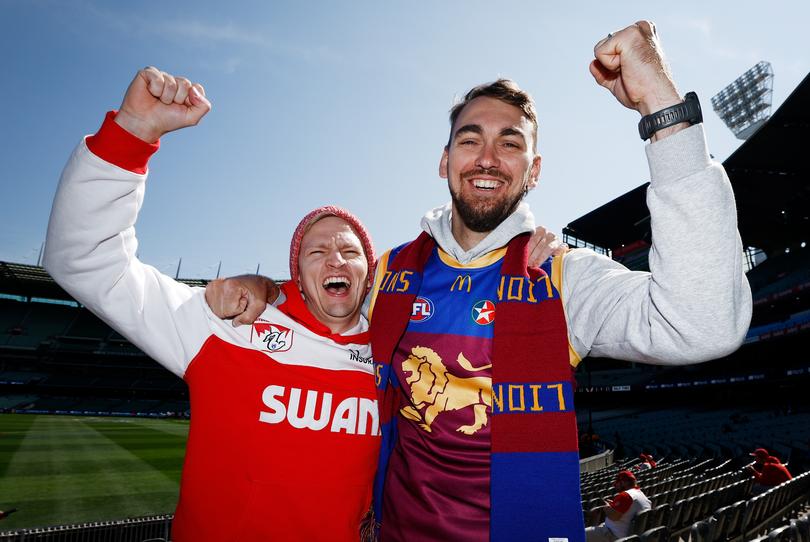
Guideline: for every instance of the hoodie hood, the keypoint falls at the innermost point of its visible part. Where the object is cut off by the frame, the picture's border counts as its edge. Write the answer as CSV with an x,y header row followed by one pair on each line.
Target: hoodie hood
x,y
437,222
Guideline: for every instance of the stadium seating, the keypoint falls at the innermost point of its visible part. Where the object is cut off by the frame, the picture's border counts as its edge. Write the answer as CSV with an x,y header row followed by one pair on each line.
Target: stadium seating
x,y
14,401
691,433
11,315
20,378
41,322
59,358
640,522
656,534
769,509
87,325
779,274
708,501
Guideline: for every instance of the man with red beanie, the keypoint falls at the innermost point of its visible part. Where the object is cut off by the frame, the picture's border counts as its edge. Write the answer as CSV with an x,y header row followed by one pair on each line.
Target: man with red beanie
x,y
268,399
620,510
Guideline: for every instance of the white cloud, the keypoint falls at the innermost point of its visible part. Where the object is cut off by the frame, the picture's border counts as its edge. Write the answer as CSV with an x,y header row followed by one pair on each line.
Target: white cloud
x,y
199,30
226,36
228,66
196,30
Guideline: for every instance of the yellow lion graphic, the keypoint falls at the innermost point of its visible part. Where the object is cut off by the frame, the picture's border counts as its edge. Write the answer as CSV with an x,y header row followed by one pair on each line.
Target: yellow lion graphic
x,y
432,387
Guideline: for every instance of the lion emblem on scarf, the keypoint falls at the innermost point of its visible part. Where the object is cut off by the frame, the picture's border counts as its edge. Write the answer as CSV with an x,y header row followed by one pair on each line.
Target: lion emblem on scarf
x,y
433,389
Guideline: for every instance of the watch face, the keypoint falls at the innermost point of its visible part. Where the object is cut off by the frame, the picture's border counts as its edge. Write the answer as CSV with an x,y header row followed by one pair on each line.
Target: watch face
x,y
696,112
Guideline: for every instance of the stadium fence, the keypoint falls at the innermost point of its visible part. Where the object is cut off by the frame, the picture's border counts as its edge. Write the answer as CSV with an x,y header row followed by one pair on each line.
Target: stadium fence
x,y
144,529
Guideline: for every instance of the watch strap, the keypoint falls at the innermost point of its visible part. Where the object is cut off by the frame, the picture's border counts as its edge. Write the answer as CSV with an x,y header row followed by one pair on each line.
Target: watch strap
x,y
687,111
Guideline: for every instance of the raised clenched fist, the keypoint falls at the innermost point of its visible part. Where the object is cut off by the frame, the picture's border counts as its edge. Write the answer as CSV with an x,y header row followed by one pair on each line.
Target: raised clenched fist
x,y
157,103
630,63
242,298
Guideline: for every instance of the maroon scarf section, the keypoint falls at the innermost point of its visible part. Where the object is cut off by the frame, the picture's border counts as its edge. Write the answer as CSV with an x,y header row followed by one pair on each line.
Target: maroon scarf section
x,y
531,345
391,316
392,311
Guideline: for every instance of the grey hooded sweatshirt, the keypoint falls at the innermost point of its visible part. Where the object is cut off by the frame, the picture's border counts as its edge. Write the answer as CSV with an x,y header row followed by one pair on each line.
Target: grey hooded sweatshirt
x,y
695,303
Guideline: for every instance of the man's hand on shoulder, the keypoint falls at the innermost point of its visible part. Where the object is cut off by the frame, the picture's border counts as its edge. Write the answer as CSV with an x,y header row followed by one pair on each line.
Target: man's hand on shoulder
x,y
543,244
157,103
243,298
630,63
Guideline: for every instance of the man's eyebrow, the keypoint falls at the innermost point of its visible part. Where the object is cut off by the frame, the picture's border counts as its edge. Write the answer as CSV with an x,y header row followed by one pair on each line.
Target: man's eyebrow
x,y
309,243
513,132
472,128
477,129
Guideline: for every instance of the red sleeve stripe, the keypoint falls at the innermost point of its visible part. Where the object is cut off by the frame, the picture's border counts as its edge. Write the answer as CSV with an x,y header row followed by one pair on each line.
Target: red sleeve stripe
x,y
115,145
621,502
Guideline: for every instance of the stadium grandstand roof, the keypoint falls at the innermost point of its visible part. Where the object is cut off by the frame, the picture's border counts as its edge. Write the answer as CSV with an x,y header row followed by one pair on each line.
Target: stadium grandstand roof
x,y
33,281
770,175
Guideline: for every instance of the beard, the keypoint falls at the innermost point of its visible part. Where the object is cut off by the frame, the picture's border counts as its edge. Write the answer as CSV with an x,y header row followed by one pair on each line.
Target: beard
x,y
485,216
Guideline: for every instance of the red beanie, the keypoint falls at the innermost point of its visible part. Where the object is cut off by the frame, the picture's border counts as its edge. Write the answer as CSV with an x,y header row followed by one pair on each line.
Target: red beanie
x,y
322,212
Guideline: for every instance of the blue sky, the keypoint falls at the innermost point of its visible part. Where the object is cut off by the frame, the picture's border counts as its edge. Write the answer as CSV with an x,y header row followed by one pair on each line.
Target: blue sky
x,y
345,103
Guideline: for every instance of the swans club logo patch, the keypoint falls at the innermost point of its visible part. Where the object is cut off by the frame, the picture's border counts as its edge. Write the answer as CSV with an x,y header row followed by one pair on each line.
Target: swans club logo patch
x,y
275,338
483,312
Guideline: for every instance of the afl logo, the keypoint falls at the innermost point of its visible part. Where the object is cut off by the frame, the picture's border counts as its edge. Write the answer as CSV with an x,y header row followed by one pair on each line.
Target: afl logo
x,y
422,309
483,312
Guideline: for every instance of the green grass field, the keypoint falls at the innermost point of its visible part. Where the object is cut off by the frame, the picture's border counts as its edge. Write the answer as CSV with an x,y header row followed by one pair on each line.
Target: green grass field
x,y
72,469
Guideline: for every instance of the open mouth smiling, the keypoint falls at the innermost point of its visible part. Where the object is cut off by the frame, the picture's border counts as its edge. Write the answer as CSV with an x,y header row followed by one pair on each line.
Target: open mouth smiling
x,y
337,285
486,180
486,184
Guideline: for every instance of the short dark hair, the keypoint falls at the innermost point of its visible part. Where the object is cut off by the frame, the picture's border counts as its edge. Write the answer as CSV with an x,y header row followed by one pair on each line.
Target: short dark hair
x,y
504,90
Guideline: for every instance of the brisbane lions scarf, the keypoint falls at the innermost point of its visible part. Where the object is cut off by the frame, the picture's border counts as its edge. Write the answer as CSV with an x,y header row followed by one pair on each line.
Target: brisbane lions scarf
x,y
534,477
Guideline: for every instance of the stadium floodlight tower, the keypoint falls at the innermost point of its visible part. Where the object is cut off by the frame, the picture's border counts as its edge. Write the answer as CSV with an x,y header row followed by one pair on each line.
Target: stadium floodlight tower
x,y
745,104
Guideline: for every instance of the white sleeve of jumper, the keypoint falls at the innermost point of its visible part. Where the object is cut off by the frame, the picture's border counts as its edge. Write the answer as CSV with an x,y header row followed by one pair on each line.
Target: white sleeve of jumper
x,y
90,252
695,303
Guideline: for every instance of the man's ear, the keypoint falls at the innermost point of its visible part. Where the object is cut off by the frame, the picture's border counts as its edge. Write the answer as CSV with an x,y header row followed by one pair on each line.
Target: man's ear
x,y
443,164
534,173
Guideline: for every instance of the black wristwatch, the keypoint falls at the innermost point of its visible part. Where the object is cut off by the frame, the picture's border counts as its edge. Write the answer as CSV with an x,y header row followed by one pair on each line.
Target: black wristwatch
x,y
688,111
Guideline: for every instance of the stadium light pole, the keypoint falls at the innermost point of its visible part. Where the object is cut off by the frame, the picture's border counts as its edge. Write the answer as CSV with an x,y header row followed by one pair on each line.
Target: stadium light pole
x,y
745,104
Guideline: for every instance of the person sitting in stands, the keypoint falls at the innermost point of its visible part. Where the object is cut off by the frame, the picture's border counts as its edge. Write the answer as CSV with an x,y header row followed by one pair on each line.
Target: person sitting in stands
x,y
647,462
620,510
768,471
